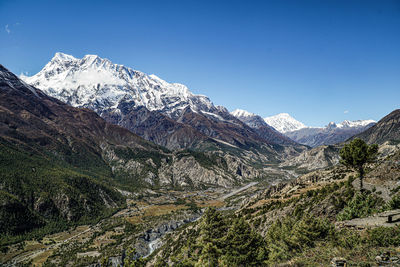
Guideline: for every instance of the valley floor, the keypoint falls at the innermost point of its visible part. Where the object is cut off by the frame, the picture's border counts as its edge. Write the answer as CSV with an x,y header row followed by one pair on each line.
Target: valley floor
x,y
146,218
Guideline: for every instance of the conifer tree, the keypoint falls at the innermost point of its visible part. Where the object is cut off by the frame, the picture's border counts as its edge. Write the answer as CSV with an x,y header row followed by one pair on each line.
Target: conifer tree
x,y
356,154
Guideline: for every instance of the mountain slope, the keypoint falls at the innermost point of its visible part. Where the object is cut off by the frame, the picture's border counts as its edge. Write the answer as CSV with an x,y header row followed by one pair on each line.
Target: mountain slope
x,y
156,127
318,219
386,129
50,169
386,132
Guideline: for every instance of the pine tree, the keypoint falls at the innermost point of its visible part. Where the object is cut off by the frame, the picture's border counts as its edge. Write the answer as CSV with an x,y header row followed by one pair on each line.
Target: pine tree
x,y
356,154
243,245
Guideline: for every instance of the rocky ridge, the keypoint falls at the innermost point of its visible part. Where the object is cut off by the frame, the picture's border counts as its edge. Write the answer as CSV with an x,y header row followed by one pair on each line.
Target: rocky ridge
x,y
386,129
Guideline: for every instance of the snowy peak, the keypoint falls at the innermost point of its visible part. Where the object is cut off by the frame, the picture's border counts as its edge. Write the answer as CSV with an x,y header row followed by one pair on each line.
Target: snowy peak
x,y
357,123
99,84
331,134
283,123
331,125
350,124
242,113
261,127
63,57
251,119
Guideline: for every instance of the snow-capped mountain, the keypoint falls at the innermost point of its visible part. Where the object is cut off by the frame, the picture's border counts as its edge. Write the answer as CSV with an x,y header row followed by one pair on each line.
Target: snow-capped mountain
x,y
283,123
311,136
98,84
165,113
357,123
331,134
242,113
261,127
251,119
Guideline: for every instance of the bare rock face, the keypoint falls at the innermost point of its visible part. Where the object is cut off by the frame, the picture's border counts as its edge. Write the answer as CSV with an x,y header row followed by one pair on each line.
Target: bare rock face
x,y
388,149
184,169
62,202
227,171
316,158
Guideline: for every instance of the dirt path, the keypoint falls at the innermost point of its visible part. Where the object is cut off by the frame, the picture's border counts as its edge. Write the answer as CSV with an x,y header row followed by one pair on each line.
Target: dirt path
x,y
238,190
376,220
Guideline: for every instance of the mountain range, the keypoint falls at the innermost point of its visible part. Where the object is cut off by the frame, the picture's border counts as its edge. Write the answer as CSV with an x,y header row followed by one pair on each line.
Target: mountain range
x,y
311,136
331,134
169,115
165,113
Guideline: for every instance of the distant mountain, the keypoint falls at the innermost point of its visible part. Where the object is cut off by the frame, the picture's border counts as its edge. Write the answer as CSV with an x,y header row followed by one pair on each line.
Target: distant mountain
x,y
168,113
261,127
331,134
61,163
310,136
353,124
283,123
385,130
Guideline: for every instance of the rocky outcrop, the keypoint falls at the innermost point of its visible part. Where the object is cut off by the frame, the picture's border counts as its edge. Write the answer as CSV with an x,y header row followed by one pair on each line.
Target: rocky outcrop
x,y
182,169
150,240
316,158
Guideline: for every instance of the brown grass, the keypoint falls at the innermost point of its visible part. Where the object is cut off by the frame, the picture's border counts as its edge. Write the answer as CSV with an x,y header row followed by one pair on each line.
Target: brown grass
x,y
41,258
211,203
134,219
162,209
104,239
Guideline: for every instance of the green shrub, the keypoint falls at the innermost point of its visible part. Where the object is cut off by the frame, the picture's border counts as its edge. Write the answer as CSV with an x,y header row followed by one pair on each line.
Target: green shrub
x,y
360,206
384,236
289,236
394,203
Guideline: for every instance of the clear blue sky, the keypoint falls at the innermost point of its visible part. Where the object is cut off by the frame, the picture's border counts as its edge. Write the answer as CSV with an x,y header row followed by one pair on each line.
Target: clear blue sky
x,y
320,60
